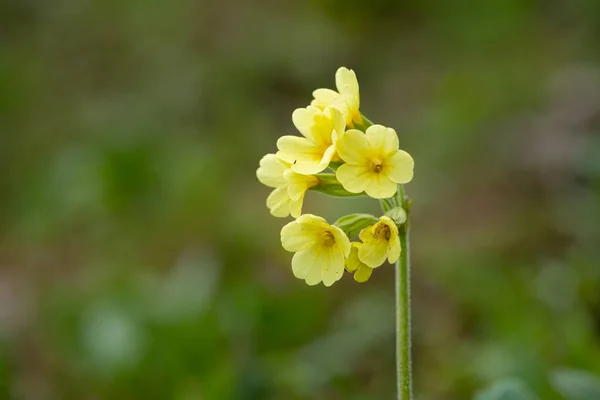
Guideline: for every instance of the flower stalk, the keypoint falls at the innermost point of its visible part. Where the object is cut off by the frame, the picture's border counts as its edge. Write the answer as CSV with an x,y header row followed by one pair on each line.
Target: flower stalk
x,y
403,326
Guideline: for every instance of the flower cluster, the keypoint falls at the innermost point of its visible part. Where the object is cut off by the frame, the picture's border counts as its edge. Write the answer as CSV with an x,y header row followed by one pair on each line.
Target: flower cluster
x,y
364,159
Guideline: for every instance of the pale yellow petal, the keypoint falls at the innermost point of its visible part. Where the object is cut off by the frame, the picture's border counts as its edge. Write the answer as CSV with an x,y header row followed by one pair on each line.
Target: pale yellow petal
x,y
302,233
338,122
333,265
296,206
308,265
271,170
373,252
298,184
324,98
383,140
309,167
354,178
341,240
346,79
394,249
353,147
380,186
366,234
313,220
297,147
400,167
363,274
352,261
307,156
302,262
278,202
328,155
351,99
304,121
288,159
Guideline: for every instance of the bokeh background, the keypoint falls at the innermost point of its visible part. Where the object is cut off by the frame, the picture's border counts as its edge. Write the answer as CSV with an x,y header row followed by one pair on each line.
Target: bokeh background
x,y
138,259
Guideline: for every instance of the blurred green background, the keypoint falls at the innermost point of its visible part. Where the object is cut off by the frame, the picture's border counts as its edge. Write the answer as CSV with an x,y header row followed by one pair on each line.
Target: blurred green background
x,y
138,259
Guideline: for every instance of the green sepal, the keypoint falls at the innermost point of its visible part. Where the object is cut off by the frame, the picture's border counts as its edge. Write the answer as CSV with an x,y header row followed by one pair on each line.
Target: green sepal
x,y
398,214
329,185
352,224
387,204
366,121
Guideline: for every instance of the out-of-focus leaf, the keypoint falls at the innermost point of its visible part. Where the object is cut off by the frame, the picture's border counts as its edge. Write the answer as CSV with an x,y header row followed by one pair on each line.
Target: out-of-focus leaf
x,y
506,390
576,385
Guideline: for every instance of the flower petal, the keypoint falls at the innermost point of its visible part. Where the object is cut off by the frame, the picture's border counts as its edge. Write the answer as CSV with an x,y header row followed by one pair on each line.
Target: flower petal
x,y
271,170
328,155
278,202
309,167
302,233
366,234
341,240
400,167
338,122
288,159
332,265
353,147
383,140
302,262
354,178
298,184
296,146
363,274
324,97
296,206
380,186
373,252
352,261
394,249
304,121
345,79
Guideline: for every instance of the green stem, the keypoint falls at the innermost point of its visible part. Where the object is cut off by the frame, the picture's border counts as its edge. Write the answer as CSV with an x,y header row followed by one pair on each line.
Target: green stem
x,y
403,333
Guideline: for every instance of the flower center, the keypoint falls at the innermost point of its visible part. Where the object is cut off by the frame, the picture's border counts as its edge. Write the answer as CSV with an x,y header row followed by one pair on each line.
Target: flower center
x,y
328,239
382,231
376,165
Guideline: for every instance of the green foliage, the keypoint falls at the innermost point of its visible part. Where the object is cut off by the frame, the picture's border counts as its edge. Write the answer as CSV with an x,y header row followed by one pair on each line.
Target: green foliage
x,y
576,385
506,390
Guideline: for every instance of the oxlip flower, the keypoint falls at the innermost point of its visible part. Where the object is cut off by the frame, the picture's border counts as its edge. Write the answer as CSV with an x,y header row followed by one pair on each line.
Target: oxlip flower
x,y
312,153
320,249
290,187
374,164
362,272
380,241
346,99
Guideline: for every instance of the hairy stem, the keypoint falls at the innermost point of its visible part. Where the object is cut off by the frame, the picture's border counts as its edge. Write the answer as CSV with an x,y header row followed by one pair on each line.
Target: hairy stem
x,y
403,332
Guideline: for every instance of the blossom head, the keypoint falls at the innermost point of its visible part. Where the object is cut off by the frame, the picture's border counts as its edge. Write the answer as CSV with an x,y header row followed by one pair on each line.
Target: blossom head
x,y
380,241
320,249
374,164
362,272
290,187
312,153
346,99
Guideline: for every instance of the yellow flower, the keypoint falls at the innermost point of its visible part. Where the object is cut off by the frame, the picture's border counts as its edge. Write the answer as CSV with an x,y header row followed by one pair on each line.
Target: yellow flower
x,y
362,272
380,241
290,187
374,164
312,153
320,249
346,99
